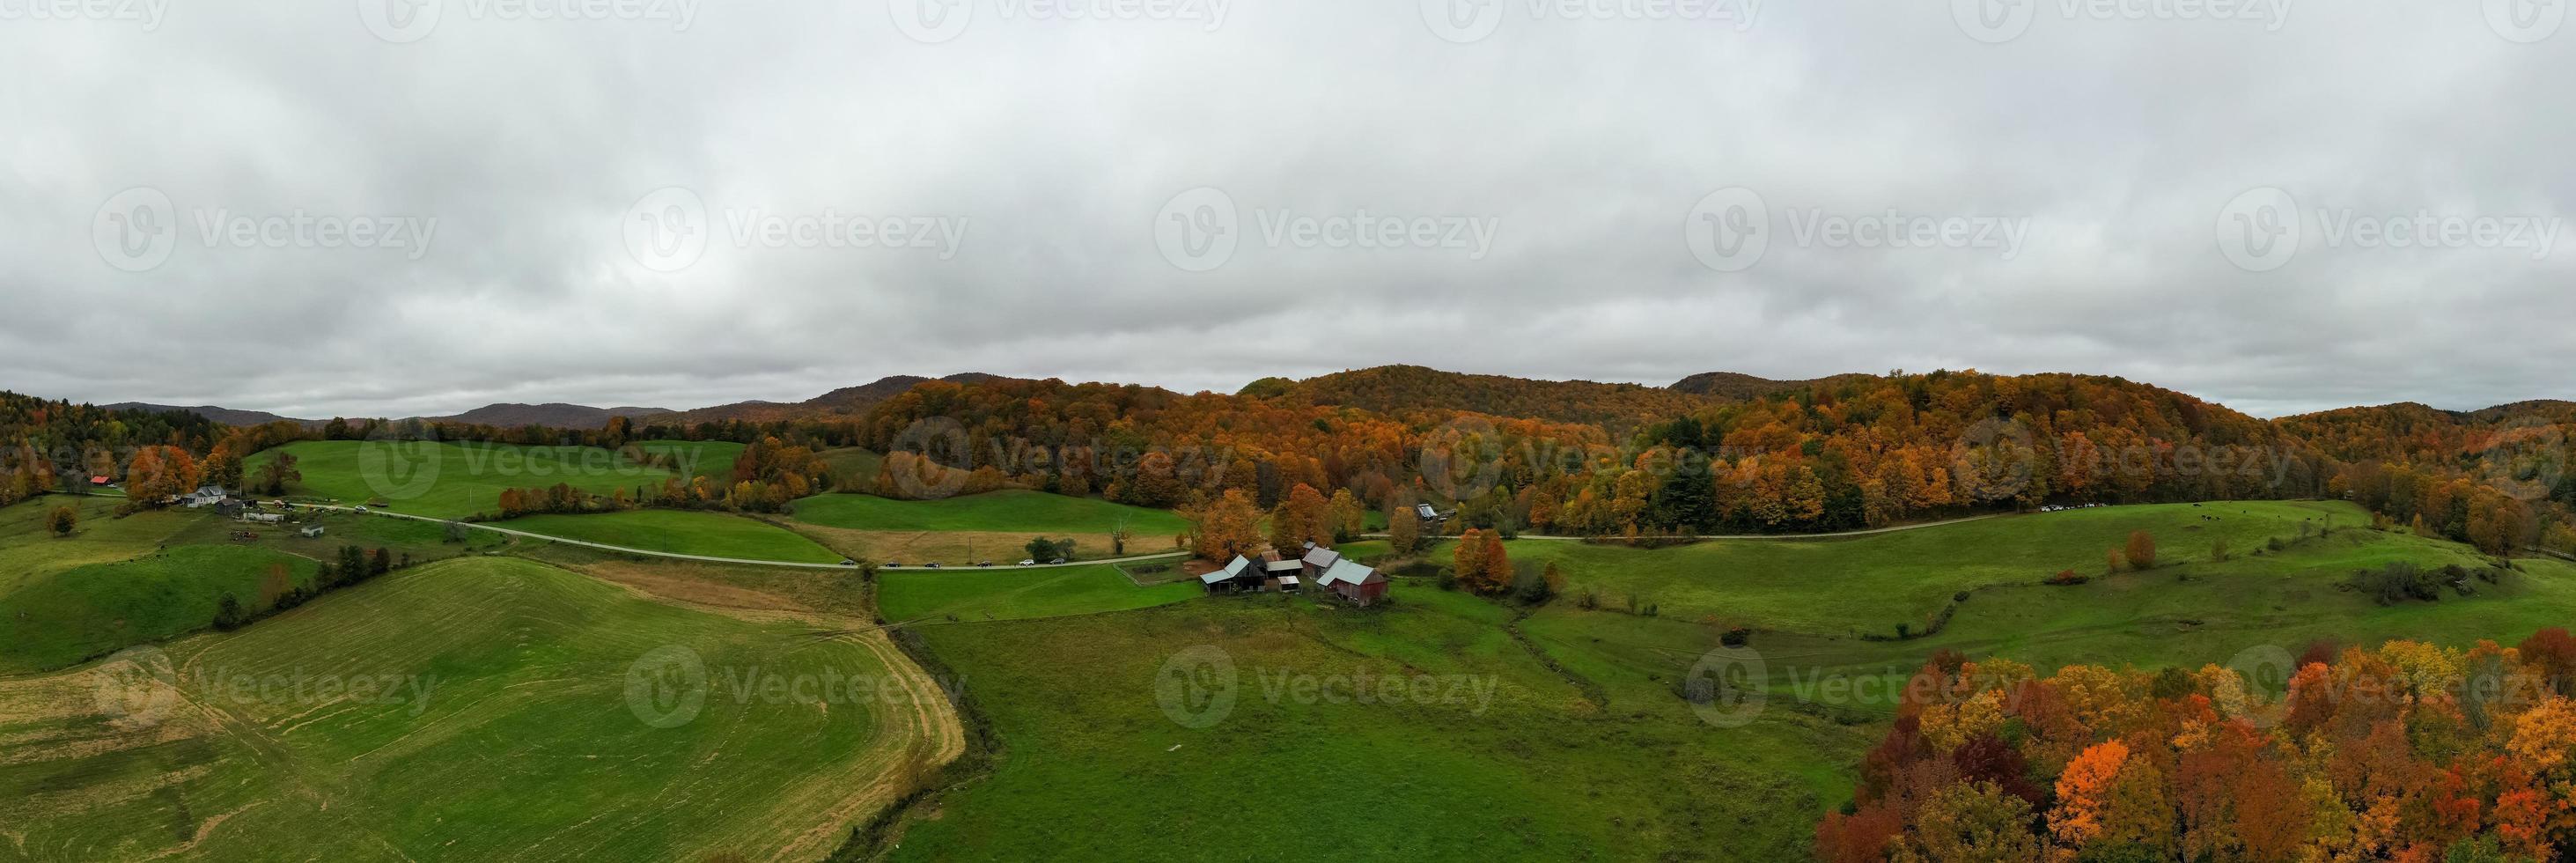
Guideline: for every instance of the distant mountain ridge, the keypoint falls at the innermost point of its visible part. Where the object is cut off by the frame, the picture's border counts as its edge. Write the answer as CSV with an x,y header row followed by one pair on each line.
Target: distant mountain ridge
x,y
224,416
549,415
1737,385
843,402
1398,389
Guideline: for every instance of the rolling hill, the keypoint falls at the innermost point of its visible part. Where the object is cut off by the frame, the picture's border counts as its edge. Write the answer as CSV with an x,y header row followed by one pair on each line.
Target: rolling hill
x,y
551,415
844,402
1402,389
1737,385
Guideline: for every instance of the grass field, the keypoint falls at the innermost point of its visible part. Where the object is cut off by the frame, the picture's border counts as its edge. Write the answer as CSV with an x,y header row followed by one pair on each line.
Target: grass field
x,y
994,527
1010,593
62,618
1493,756
1014,511
847,462
29,549
711,534
117,582
455,480
712,459
1871,583
473,709
1574,739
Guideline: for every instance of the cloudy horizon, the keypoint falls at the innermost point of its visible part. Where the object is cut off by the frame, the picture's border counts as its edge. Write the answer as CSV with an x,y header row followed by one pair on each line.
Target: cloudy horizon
x,y
418,207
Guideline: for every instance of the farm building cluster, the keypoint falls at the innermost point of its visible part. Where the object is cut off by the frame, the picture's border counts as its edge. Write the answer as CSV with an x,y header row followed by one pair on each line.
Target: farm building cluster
x,y
1321,567
239,507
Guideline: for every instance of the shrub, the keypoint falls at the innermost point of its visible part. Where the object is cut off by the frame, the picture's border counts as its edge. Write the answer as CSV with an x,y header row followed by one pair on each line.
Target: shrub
x,y
2068,577
2398,582
2141,551
1737,637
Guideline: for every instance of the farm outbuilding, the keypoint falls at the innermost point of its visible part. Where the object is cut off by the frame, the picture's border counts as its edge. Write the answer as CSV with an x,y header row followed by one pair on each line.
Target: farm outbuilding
x,y
1319,560
1236,574
1359,584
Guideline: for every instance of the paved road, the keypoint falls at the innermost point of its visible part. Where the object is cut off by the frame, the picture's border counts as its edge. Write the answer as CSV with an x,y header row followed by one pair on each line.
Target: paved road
x,y
1897,528
700,557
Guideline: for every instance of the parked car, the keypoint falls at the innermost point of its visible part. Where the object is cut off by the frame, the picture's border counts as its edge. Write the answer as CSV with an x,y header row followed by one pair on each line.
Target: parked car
x,y
848,562
1057,560
894,564
1028,563
931,565
983,563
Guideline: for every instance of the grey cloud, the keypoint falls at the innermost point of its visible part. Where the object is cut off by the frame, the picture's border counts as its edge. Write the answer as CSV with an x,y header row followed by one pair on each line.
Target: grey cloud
x,y
2115,143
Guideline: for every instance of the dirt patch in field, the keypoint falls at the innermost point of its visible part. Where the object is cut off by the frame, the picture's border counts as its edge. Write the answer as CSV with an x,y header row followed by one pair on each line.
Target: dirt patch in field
x,y
689,583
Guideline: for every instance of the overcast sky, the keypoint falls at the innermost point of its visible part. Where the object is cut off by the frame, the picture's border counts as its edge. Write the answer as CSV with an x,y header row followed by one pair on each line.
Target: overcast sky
x,y
392,207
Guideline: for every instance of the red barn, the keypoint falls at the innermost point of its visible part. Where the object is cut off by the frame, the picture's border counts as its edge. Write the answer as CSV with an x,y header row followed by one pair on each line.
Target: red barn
x,y
1359,584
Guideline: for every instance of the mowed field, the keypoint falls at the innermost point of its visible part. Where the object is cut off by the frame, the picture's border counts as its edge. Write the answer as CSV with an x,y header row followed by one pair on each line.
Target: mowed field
x,y
1590,752
456,480
1011,593
1871,583
484,709
1420,731
994,526
703,533
155,575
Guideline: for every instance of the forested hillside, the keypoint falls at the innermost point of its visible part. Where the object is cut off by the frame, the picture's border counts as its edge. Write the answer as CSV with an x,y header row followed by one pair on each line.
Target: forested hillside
x,y
1844,452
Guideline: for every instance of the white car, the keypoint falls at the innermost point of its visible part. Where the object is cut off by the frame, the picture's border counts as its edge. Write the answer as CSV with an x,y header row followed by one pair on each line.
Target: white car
x,y
1028,563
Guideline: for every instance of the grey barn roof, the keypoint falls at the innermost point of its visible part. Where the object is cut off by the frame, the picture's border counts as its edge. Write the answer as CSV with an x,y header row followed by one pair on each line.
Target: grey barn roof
x,y
1231,569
